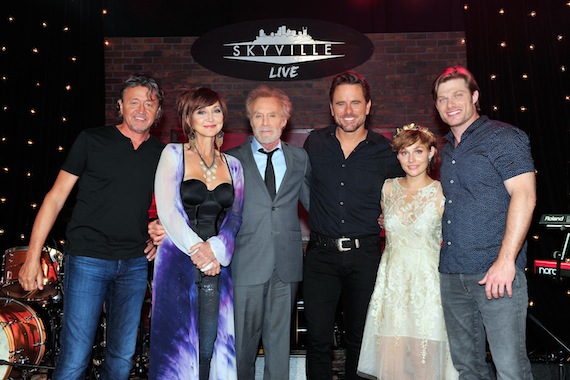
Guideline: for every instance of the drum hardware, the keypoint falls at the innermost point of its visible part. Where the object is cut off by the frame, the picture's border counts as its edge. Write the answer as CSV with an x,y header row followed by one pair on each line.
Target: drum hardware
x,y
23,365
27,371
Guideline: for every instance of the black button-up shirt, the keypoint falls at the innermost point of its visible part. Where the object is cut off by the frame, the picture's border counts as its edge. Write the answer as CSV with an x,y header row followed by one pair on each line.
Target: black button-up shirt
x,y
476,200
345,193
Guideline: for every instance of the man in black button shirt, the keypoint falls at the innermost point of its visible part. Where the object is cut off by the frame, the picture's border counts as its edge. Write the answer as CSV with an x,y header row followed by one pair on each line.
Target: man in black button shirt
x,y
349,165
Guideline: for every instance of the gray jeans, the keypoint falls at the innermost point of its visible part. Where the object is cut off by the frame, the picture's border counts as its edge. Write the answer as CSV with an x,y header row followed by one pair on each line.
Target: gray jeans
x,y
472,320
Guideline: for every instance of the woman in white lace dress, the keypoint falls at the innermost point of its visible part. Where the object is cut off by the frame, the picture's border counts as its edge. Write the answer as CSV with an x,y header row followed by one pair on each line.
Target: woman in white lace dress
x,y
405,336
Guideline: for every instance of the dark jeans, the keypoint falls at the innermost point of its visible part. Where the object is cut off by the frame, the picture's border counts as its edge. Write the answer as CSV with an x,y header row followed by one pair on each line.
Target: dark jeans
x,y
326,272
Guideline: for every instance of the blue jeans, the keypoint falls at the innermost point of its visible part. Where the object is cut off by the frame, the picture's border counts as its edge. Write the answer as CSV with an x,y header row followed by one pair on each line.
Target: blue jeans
x,y
472,320
88,283
326,272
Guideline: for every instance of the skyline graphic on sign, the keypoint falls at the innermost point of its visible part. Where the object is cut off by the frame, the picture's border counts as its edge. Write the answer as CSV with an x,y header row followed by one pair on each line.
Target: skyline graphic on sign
x,y
284,46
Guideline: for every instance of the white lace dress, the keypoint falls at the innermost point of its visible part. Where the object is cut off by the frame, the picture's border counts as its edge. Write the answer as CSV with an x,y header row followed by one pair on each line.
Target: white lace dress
x,y
405,336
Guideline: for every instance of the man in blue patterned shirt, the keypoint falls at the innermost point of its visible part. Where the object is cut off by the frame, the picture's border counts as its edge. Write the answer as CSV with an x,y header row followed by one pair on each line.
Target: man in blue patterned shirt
x,y
488,180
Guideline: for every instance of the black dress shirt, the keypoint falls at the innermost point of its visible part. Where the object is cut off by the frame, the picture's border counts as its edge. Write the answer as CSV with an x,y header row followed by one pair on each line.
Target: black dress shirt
x,y
345,193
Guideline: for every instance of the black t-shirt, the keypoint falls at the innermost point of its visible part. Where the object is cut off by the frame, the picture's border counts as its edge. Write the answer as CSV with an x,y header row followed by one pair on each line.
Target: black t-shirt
x,y
114,193
345,193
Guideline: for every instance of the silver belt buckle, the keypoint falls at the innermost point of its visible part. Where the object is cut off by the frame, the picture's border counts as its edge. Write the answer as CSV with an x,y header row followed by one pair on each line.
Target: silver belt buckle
x,y
339,245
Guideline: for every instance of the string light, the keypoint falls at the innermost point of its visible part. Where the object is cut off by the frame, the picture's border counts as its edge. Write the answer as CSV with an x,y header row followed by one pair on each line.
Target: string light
x,y
525,76
523,109
501,11
493,76
495,108
503,44
532,14
531,47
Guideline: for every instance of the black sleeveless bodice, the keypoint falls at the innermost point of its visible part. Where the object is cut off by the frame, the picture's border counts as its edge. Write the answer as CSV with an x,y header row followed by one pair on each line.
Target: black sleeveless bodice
x,y
205,208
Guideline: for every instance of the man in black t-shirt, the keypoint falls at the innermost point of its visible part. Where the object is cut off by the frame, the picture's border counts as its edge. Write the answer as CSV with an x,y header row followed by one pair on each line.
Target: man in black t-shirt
x,y
106,254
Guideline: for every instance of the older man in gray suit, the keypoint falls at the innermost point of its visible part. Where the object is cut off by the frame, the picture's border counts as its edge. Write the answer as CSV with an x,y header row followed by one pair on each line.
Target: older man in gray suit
x,y
268,256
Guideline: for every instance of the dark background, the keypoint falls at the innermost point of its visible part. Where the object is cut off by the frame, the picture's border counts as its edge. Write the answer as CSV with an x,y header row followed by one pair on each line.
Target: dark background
x,y
192,18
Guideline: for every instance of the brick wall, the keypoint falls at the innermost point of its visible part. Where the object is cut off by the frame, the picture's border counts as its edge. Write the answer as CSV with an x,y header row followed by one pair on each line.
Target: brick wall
x,y
400,73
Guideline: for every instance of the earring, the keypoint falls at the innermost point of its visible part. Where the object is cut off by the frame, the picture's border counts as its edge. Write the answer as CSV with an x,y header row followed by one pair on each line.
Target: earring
x,y
220,134
192,135
429,159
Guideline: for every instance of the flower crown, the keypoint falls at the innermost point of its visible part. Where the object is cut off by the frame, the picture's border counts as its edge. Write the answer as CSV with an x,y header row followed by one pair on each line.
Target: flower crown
x,y
414,127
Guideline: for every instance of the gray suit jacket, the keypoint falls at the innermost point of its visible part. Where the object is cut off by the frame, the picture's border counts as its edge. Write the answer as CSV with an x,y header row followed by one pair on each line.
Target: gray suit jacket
x,y
270,235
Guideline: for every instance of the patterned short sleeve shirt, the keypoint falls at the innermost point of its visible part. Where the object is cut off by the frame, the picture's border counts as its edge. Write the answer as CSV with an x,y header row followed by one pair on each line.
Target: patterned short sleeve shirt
x,y
472,176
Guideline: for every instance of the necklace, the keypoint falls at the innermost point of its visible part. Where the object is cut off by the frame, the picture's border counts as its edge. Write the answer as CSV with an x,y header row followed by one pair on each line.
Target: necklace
x,y
209,171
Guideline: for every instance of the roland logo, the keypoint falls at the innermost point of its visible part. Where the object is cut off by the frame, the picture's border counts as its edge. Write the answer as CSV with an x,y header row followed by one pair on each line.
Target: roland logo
x,y
554,218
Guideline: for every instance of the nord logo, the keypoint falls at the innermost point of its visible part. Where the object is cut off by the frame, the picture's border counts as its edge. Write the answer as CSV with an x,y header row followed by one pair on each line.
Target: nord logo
x,y
282,49
547,271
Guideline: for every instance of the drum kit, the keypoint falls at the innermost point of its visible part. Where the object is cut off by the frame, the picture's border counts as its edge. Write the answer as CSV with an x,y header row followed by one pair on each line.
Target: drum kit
x,y
31,321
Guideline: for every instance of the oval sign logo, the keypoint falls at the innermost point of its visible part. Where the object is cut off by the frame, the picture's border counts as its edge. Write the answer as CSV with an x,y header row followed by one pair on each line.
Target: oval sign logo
x,y
282,49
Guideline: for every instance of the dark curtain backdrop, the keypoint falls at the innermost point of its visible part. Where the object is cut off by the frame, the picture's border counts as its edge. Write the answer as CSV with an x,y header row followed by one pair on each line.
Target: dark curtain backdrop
x,y
519,51
51,87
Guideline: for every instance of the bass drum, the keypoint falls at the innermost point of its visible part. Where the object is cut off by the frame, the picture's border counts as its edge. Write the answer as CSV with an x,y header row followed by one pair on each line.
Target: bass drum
x,y
23,336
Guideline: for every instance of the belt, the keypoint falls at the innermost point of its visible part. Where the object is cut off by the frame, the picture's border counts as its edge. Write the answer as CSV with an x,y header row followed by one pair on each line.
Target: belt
x,y
343,244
